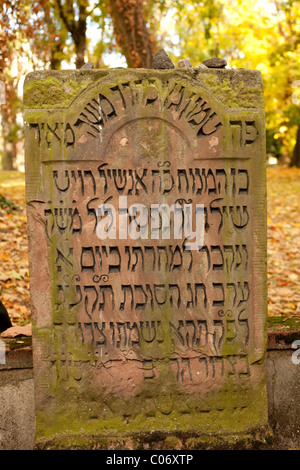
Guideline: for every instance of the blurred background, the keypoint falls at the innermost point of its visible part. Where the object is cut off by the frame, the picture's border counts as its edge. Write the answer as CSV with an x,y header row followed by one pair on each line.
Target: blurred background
x,y
65,34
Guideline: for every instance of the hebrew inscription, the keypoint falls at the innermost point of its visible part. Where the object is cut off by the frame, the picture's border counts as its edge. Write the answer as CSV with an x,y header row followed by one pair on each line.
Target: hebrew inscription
x,y
133,302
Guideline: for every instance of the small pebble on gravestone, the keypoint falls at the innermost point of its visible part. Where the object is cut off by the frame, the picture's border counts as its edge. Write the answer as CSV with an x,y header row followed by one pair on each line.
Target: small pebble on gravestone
x,y
161,60
215,63
184,64
88,65
202,66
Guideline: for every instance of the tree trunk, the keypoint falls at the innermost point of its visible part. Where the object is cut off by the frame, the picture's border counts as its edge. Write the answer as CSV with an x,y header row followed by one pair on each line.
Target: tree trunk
x,y
295,161
8,157
9,148
132,34
55,61
80,48
79,35
77,27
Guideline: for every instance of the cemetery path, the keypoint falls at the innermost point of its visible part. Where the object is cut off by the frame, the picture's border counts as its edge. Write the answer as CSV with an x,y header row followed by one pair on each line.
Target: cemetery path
x,y
283,246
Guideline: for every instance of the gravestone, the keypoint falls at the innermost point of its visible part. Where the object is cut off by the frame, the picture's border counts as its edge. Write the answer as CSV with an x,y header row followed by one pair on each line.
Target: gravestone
x,y
135,329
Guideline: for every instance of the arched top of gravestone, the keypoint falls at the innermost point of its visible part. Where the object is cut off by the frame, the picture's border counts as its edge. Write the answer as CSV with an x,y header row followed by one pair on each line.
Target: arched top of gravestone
x,y
142,106
234,88
85,110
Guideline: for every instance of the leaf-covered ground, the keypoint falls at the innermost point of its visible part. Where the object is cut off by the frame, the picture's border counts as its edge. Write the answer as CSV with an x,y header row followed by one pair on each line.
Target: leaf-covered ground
x,y
283,245
14,278
284,242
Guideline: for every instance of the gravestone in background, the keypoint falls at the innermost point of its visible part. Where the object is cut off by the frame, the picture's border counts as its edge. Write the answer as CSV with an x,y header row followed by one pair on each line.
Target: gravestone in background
x,y
133,335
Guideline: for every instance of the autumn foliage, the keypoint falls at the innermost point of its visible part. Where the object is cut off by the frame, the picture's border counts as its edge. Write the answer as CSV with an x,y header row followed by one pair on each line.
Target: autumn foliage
x,y
57,34
132,35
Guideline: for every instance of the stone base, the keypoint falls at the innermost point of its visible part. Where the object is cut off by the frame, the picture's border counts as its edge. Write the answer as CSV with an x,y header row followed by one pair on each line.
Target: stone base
x,y
256,439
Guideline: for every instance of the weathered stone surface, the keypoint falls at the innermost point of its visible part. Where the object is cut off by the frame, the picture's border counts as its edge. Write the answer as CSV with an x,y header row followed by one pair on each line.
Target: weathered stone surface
x,y
138,334
215,63
161,60
184,64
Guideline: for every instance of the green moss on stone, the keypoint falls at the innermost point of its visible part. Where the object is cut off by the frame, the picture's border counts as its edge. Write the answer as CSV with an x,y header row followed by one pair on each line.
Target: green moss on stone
x,y
83,410
156,407
235,90
44,90
283,322
57,89
254,439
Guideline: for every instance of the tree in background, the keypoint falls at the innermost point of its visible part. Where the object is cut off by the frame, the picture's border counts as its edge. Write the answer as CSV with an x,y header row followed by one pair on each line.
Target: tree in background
x,y
18,20
46,33
30,38
129,23
288,58
53,39
132,34
74,15
282,100
256,35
